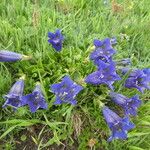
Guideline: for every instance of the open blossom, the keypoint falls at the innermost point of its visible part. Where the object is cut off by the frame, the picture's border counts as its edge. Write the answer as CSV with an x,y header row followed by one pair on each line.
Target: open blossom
x,y
118,126
56,39
13,98
8,56
105,47
35,100
106,74
66,91
139,80
97,57
103,51
129,105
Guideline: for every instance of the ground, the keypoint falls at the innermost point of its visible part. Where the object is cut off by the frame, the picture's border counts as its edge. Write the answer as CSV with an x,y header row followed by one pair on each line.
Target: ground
x,y
24,25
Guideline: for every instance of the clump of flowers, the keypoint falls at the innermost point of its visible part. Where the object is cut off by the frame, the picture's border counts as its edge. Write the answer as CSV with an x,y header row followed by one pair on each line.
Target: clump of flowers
x,y
106,73
106,67
66,91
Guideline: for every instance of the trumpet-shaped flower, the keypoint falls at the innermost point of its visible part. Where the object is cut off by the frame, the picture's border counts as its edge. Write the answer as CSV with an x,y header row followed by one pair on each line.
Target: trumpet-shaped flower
x,y
8,56
56,40
35,100
13,98
66,91
106,74
139,80
118,126
104,47
103,51
129,105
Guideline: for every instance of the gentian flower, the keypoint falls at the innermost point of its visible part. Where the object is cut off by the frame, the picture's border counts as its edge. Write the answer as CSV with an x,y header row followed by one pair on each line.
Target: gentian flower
x,y
139,80
129,105
118,126
8,56
106,74
104,47
147,73
35,100
103,51
56,40
97,57
66,91
13,98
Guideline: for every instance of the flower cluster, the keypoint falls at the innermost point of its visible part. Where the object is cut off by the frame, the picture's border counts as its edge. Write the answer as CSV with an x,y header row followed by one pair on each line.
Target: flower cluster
x,y
16,99
67,90
106,73
106,67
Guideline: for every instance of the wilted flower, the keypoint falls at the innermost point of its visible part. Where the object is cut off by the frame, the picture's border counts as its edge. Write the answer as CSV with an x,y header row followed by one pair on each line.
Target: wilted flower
x,y
139,80
129,105
125,70
35,100
13,98
123,62
106,74
8,56
106,2
56,39
118,126
113,41
66,91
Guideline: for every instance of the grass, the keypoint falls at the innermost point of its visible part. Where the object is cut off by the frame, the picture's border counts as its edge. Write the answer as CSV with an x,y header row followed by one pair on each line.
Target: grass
x,y
23,28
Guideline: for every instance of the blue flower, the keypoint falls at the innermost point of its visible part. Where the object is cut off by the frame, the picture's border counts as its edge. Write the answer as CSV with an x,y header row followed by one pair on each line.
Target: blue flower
x,y
66,91
103,51
129,105
106,74
139,80
56,40
118,126
97,57
8,56
147,73
35,100
13,98
104,47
